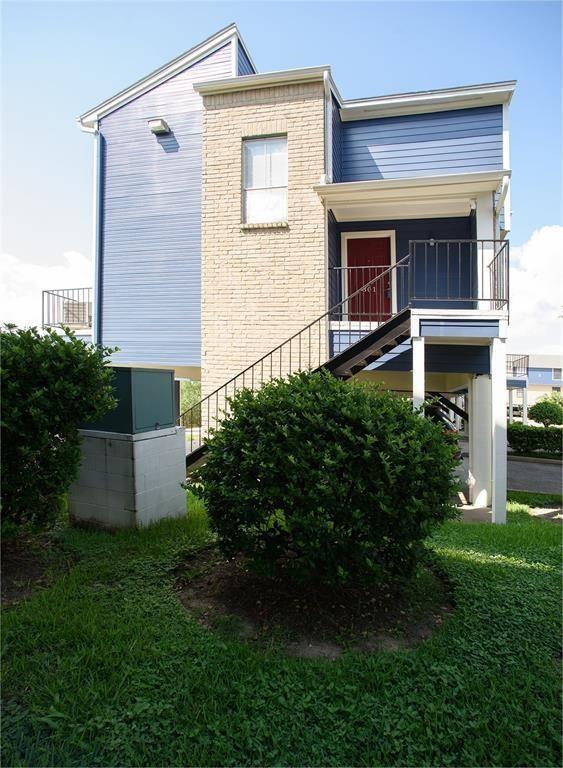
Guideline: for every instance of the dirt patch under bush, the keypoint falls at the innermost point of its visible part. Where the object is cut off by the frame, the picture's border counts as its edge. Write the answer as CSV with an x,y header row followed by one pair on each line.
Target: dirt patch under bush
x,y
312,621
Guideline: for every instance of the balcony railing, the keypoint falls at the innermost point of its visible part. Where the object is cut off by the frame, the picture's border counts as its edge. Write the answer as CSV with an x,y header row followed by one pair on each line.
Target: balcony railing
x,y
517,366
454,274
70,307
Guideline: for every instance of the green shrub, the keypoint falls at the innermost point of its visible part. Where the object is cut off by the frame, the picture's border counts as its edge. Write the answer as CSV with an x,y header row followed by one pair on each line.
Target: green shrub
x,y
325,479
524,438
548,410
50,385
190,395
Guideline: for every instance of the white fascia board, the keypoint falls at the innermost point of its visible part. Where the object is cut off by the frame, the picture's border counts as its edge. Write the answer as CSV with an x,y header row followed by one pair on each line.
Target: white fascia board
x,y
265,80
213,43
428,101
415,186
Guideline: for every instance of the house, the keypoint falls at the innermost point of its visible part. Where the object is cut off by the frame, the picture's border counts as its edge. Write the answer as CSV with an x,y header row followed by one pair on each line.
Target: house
x,y
529,378
252,224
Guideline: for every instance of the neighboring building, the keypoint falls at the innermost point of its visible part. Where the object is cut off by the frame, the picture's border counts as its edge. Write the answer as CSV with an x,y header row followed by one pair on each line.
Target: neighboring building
x,y
529,378
236,209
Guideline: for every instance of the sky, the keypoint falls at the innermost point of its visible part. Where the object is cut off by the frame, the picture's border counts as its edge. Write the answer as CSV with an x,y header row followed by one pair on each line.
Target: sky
x,y
59,59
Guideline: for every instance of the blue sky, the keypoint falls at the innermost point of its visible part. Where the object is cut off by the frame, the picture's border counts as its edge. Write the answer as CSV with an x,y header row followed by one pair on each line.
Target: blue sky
x,y
59,59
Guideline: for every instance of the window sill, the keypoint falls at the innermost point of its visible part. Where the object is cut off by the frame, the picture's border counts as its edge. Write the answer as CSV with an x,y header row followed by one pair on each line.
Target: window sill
x,y
265,225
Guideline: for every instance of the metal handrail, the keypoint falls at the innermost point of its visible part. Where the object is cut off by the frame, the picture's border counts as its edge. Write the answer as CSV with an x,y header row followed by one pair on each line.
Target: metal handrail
x,y
517,365
67,307
358,325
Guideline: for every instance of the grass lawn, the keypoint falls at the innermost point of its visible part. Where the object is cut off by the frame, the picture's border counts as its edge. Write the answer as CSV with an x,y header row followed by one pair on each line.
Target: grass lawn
x,y
105,667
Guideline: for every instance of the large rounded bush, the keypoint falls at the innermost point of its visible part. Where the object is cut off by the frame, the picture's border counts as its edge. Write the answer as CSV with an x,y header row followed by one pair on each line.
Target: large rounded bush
x,y
548,410
326,479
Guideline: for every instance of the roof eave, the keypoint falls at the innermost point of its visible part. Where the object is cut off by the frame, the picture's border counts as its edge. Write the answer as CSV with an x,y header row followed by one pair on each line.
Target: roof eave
x,y
428,101
263,80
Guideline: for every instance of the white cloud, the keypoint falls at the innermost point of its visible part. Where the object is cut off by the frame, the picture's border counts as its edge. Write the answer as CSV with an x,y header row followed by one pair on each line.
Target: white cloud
x,y
536,295
21,284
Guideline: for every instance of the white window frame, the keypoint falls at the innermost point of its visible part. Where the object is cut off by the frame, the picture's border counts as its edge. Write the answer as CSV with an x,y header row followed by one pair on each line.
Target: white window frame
x,y
245,188
553,376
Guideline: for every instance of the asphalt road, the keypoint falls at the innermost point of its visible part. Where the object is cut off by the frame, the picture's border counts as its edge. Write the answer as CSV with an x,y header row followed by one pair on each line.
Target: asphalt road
x,y
532,476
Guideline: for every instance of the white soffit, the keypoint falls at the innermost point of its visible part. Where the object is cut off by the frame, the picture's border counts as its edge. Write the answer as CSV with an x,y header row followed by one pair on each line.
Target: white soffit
x,y
408,198
482,95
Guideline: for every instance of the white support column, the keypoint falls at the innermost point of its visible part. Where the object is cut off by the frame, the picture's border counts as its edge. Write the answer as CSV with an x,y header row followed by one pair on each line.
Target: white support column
x,y
418,385
525,405
480,431
498,429
510,405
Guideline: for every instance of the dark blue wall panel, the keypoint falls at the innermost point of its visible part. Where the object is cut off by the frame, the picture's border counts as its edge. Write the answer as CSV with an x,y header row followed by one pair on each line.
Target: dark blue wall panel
x,y
336,142
457,141
244,67
455,276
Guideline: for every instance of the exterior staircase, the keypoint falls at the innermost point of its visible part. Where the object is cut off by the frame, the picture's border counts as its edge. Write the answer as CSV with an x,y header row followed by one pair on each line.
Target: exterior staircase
x,y
347,338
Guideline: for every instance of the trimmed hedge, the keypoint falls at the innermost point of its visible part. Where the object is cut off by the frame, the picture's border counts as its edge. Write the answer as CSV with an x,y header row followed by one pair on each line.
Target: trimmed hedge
x,y
326,480
523,438
50,385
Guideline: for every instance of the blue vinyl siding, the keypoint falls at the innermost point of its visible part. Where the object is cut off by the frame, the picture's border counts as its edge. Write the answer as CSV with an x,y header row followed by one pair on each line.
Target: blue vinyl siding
x,y
244,67
543,376
151,230
456,141
336,142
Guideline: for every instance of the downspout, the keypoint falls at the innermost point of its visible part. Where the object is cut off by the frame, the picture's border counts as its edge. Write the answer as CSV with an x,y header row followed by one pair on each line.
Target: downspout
x,y
327,128
97,231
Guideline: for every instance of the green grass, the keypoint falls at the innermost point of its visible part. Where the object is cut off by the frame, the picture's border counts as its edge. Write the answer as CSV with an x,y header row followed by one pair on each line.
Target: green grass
x,y
106,668
533,499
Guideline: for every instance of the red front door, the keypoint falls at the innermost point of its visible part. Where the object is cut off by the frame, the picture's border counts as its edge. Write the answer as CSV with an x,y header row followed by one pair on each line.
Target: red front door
x,y
367,258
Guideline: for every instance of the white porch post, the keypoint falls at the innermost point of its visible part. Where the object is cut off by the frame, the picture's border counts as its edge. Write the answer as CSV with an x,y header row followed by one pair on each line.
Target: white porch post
x,y
418,385
480,431
525,405
498,429
511,405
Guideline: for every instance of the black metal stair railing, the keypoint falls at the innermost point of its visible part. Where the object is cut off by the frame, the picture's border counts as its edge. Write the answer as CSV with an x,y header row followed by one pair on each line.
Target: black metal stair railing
x,y
364,310
436,273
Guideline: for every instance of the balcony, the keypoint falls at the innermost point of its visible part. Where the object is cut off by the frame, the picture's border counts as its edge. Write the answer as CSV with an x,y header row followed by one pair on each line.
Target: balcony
x,y
68,307
446,274
517,366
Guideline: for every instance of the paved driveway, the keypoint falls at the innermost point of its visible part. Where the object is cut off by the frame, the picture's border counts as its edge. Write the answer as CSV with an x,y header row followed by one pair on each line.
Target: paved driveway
x,y
532,476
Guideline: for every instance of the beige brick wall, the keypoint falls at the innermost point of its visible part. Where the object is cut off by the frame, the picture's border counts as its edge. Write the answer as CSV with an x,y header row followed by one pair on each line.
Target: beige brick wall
x,y
259,285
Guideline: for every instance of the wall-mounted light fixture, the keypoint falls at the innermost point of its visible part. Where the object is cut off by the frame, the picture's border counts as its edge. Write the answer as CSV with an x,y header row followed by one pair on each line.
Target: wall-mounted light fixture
x,y
158,126
432,242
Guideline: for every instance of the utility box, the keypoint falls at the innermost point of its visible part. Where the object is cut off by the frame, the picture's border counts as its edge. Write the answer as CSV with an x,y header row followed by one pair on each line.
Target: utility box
x,y
145,402
134,459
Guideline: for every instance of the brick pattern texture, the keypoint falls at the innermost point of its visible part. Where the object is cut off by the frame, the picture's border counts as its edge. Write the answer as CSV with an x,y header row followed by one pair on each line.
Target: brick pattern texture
x,y
261,285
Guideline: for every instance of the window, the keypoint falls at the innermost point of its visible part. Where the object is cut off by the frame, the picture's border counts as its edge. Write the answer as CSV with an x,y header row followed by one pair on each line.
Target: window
x,y
556,389
265,180
557,373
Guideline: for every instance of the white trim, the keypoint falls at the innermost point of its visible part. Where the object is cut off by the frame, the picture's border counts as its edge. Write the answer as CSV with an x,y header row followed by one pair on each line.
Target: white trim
x,y
418,370
506,164
428,101
362,235
159,75
234,57
328,128
96,237
265,80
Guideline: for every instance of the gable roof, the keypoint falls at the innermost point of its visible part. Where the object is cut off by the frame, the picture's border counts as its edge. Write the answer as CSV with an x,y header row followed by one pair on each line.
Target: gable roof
x,y
88,121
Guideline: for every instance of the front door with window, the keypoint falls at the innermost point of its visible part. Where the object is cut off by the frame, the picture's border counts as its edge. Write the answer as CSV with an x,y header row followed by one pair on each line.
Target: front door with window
x,y
368,257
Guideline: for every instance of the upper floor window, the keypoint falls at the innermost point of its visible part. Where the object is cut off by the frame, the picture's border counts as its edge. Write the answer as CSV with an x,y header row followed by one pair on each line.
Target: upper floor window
x,y
265,180
557,373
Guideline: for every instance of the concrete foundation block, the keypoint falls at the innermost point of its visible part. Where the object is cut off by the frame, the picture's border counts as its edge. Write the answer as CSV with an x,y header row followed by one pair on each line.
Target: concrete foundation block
x,y
129,480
